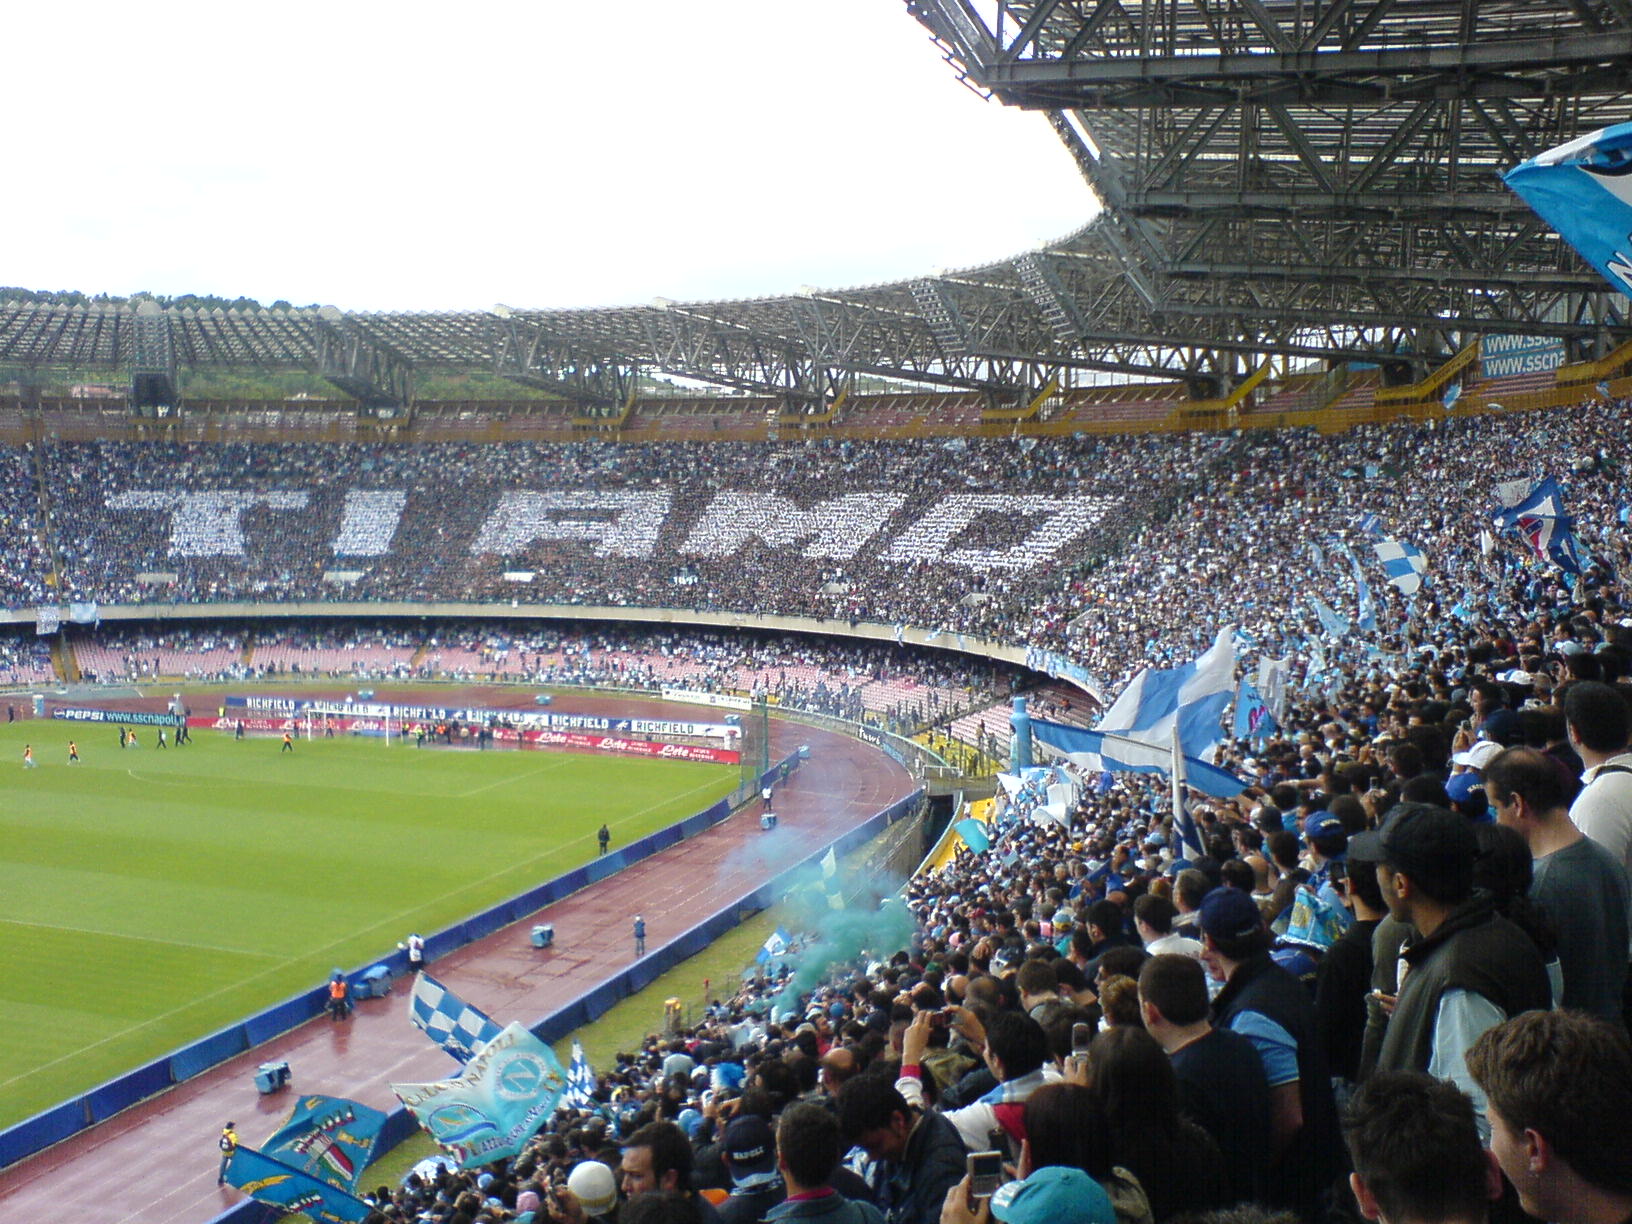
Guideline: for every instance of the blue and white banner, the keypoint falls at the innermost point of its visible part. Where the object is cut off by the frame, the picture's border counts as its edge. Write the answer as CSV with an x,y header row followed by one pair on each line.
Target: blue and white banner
x,y
47,620
776,943
132,718
1188,700
1062,668
507,1092
1097,750
271,1181
448,1020
1366,618
1505,356
1541,519
580,1092
329,1138
1404,564
1583,189
84,613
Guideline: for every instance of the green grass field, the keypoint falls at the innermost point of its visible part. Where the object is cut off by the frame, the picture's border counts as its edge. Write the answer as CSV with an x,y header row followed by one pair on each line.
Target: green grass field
x,y
148,898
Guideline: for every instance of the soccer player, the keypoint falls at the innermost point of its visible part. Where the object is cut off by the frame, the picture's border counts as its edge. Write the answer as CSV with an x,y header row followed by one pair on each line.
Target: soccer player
x,y
228,1143
28,757
288,744
162,744
73,753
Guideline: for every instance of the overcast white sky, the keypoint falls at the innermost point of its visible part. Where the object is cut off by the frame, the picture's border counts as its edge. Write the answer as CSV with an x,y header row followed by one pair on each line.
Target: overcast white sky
x,y
417,156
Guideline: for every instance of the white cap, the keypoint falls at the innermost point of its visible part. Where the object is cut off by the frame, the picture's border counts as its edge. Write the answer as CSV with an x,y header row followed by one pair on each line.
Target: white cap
x,y
592,1185
1478,756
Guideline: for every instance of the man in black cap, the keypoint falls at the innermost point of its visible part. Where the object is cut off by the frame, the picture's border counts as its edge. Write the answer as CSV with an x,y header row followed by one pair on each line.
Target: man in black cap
x,y
1272,1009
1468,967
750,1156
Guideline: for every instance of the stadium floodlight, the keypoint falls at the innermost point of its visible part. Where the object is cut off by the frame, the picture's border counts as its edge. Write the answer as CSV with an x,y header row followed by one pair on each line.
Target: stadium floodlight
x,y
663,303
502,311
329,314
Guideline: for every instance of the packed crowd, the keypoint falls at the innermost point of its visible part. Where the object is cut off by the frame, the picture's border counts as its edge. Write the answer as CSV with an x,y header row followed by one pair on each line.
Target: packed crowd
x,y
1094,547
1388,980
902,688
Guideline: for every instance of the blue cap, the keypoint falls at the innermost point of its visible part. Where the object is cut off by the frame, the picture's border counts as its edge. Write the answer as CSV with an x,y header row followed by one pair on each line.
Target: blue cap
x,y
1323,824
1053,1194
1229,913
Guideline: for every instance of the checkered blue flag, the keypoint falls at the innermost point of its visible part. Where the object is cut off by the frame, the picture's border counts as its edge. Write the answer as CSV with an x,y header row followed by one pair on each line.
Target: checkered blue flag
x,y
580,1092
448,1020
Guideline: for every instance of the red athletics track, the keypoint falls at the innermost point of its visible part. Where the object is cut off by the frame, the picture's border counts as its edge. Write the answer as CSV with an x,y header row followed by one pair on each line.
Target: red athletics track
x,y
157,1161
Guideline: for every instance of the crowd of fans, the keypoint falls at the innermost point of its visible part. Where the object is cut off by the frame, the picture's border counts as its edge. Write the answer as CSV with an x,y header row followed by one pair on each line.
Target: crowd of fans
x,y
1388,980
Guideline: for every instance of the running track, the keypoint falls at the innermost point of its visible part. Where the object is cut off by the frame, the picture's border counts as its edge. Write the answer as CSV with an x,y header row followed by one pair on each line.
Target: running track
x,y
156,1162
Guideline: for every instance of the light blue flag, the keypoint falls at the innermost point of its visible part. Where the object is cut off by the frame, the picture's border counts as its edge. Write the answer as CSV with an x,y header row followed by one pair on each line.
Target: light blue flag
x,y
506,1093
271,1181
1097,750
1452,394
1317,558
1583,189
85,613
776,943
1366,619
448,1020
1189,700
1253,721
1334,625
1369,524
974,835
1603,388
580,1093
329,1138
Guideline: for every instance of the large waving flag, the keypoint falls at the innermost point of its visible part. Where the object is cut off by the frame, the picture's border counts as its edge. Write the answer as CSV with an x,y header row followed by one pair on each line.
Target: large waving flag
x,y
328,1138
1404,564
506,1093
580,1092
448,1020
1096,750
1188,701
1540,518
1583,189
271,1181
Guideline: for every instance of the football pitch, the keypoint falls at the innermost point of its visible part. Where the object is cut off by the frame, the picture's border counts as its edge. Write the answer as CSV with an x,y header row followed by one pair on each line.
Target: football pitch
x,y
149,898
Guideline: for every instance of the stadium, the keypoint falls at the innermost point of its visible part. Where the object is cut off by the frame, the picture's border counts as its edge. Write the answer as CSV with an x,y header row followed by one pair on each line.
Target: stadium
x,y
1004,631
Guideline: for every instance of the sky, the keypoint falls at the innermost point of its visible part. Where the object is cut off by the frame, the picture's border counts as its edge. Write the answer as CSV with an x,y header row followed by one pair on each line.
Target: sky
x,y
438,157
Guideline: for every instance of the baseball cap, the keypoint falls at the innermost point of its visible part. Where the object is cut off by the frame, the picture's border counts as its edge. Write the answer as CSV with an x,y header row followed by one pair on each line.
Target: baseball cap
x,y
1478,756
1366,847
1461,786
1323,824
1503,727
751,1150
1229,913
592,1184
1053,1194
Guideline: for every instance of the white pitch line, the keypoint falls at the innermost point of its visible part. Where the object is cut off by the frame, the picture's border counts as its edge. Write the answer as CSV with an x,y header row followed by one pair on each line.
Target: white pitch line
x,y
487,786
155,939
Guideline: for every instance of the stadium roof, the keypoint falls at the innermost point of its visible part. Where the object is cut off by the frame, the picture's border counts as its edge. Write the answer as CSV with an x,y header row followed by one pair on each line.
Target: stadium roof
x,y
1309,180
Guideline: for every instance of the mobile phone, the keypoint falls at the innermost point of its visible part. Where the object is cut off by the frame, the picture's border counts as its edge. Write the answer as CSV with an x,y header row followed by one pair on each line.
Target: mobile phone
x,y
985,1173
1082,1036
